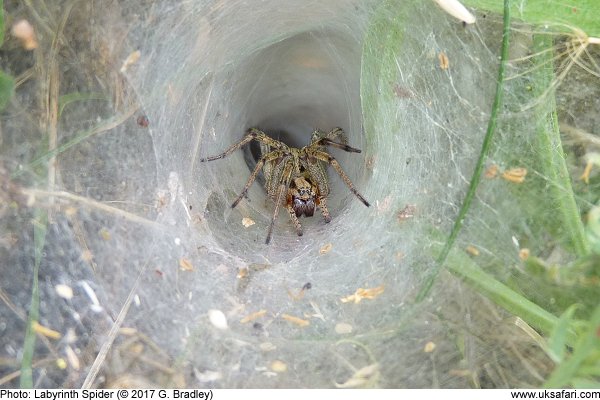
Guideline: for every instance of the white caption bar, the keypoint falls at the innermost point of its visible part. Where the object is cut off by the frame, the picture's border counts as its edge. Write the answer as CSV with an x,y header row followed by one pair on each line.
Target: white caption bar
x,y
295,394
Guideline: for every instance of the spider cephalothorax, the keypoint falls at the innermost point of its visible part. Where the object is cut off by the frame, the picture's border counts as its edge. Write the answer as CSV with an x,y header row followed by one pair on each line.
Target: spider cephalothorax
x,y
295,178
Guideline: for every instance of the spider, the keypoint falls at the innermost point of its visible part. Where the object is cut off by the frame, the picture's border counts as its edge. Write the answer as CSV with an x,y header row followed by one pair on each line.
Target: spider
x,y
294,178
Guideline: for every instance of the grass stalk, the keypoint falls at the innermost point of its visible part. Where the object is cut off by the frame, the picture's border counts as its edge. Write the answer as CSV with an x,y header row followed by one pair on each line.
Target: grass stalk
x,y
39,238
485,148
549,147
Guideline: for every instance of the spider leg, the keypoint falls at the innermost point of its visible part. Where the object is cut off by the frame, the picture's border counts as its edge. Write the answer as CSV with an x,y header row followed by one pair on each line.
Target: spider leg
x,y
283,187
265,158
320,139
295,219
328,142
247,138
337,132
323,156
253,134
324,210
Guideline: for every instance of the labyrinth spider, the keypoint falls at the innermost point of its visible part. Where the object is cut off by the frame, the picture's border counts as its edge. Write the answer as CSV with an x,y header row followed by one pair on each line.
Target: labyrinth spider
x,y
295,178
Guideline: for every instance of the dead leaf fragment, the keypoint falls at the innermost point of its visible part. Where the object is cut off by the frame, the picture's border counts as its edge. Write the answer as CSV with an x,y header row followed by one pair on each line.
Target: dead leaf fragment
x,y
87,255
243,273
363,294
253,316
131,59
267,346
23,31
343,328
72,358
278,366
588,168
105,234
365,377
515,175
325,249
247,222
444,61
295,320
491,172
429,347
407,212
126,331
42,330
524,254
185,264
463,373
207,376
472,250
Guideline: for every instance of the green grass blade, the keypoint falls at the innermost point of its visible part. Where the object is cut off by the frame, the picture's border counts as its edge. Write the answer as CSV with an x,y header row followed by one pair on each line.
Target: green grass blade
x,y
485,148
39,237
580,14
7,86
585,384
558,339
592,229
1,22
383,40
588,343
461,265
103,126
550,151
69,98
